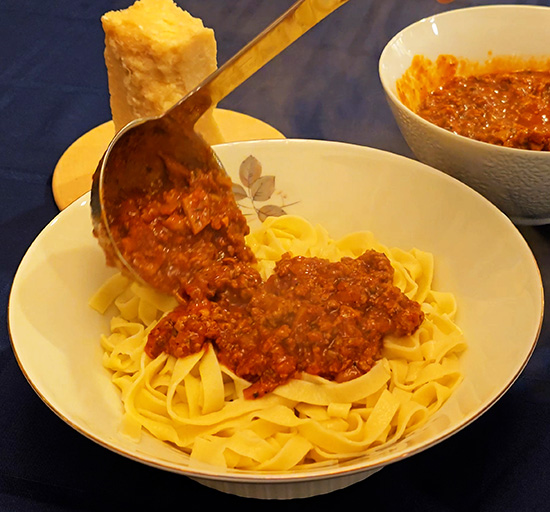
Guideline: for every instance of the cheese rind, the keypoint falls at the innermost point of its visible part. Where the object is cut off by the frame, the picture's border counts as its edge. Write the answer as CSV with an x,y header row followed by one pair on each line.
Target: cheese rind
x,y
155,53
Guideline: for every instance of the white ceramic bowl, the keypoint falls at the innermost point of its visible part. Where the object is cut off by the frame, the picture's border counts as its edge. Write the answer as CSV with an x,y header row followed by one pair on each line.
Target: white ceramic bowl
x,y
515,180
479,255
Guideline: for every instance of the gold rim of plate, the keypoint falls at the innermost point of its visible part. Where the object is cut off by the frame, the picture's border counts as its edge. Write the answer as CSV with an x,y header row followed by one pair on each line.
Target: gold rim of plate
x,y
73,173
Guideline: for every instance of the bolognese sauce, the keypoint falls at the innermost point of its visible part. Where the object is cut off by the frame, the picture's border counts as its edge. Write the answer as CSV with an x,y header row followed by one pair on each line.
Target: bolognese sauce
x,y
310,316
186,238
509,109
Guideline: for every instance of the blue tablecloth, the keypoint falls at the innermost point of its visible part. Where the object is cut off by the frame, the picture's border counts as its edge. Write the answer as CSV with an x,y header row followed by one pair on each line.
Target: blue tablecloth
x,y
53,88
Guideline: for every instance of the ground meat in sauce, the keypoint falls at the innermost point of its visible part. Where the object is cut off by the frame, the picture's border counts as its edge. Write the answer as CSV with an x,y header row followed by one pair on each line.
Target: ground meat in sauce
x,y
504,108
311,315
187,238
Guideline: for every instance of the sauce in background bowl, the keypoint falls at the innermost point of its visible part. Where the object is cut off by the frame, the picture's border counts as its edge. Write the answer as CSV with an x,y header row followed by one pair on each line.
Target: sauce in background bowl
x,y
504,101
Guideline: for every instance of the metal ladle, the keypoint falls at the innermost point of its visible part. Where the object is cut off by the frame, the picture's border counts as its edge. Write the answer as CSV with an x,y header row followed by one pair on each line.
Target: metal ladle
x,y
134,159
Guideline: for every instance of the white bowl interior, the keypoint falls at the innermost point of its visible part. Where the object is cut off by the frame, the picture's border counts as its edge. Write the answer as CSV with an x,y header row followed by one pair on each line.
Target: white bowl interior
x,y
479,255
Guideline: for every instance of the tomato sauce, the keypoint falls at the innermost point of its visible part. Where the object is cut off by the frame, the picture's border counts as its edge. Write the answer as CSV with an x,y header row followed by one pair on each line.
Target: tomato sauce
x,y
186,237
314,316
509,109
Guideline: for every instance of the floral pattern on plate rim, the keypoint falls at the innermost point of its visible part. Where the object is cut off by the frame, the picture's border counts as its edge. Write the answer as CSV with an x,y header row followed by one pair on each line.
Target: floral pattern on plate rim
x,y
254,188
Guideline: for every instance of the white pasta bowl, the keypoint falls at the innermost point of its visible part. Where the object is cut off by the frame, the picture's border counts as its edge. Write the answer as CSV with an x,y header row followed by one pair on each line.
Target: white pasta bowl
x,y
516,180
479,256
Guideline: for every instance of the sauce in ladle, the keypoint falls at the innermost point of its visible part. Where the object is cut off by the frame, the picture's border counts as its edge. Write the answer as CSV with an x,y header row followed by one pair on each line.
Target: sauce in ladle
x,y
187,237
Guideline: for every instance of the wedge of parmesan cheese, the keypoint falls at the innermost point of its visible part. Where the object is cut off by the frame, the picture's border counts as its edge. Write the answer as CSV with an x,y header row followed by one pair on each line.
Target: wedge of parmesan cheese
x,y
155,53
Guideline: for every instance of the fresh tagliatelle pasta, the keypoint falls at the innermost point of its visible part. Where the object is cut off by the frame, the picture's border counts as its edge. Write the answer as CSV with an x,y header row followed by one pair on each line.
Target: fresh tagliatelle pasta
x,y
197,404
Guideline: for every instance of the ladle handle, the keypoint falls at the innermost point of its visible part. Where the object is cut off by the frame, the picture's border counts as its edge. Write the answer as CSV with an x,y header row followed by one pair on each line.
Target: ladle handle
x,y
291,25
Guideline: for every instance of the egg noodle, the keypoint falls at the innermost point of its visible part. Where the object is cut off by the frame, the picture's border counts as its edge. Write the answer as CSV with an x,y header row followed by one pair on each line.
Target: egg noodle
x,y
198,405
